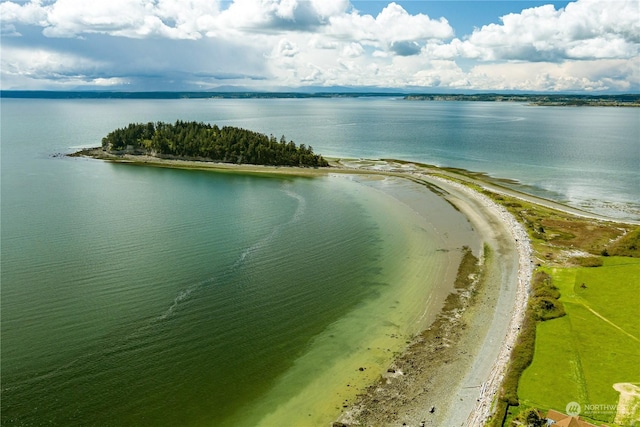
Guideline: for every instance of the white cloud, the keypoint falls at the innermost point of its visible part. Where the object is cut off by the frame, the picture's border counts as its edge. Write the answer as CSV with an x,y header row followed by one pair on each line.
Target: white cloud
x,y
29,13
268,16
68,18
287,48
393,26
317,42
9,30
126,18
590,44
328,8
111,81
194,18
594,75
586,29
40,64
352,50
441,73
396,24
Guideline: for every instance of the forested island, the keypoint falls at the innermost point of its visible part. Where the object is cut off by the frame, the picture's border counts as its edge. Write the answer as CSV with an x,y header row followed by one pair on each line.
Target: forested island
x,y
202,141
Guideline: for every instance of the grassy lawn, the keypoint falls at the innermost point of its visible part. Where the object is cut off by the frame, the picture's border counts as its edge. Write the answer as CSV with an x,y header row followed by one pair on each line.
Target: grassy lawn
x,y
580,356
576,348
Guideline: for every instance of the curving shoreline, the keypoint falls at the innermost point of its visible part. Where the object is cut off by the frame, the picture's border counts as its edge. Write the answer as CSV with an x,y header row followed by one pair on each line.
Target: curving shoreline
x,y
498,228
452,372
490,387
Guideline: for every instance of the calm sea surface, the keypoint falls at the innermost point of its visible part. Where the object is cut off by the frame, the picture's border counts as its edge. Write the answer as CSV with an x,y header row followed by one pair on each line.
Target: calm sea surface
x,y
143,296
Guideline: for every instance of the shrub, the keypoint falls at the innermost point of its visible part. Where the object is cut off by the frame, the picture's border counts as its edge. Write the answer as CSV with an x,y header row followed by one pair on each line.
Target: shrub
x,y
587,261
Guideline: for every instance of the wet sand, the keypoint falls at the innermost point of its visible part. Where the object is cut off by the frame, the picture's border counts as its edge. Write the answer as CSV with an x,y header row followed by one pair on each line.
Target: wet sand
x,y
450,373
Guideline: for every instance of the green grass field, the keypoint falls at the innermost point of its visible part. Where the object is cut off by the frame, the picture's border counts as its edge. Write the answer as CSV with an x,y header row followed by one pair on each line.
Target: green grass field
x,y
579,357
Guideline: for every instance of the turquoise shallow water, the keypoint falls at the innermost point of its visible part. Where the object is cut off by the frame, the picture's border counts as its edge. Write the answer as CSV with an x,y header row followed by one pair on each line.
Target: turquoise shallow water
x,y
142,296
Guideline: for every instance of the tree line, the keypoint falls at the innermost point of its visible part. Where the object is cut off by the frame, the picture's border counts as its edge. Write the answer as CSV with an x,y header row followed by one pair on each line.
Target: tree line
x,y
204,141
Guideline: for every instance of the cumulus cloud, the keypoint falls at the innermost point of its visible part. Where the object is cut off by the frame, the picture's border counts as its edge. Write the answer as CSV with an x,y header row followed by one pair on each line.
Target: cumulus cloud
x,y
584,30
29,13
41,64
393,27
287,48
593,75
279,15
589,44
126,18
188,19
353,50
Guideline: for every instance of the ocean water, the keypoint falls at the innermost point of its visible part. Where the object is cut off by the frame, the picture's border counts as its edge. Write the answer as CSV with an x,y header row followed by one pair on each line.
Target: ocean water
x,y
144,296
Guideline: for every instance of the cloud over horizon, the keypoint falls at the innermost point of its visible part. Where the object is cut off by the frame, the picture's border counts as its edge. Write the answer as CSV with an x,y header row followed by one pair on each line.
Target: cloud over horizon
x,y
589,45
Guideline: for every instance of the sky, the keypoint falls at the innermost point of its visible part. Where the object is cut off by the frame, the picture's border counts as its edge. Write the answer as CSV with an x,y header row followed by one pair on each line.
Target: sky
x,y
587,46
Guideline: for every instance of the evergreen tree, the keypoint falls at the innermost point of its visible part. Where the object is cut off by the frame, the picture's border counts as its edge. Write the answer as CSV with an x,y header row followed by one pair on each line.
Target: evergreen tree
x,y
203,141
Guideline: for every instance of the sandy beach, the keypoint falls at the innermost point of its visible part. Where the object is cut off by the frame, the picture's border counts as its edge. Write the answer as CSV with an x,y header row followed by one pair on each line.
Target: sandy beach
x,y
450,374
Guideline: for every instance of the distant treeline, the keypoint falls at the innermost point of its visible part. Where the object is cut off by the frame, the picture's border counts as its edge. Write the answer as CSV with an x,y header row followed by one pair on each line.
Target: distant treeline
x,y
621,100
204,141
50,94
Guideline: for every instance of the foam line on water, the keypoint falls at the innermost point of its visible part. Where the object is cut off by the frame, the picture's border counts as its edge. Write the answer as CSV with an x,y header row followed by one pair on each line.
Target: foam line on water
x,y
245,254
116,344
184,295
297,215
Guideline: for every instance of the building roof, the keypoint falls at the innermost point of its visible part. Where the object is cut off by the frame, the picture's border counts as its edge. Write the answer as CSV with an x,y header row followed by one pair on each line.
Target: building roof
x,y
562,420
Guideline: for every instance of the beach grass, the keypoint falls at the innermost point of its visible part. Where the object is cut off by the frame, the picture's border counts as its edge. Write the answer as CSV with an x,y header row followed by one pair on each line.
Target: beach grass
x,y
548,368
555,234
579,357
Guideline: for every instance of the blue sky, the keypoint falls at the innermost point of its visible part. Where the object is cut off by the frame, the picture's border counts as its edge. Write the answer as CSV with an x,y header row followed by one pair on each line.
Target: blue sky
x,y
466,45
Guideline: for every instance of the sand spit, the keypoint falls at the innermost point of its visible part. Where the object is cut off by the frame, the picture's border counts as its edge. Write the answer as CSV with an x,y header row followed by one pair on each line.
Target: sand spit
x,y
491,385
451,373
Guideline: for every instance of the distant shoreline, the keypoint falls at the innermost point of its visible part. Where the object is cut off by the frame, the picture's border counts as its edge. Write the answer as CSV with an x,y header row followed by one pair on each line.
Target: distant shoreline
x,y
537,99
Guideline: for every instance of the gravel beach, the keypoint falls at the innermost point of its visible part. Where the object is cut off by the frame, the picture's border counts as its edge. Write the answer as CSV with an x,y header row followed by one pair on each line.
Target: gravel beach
x,y
451,373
